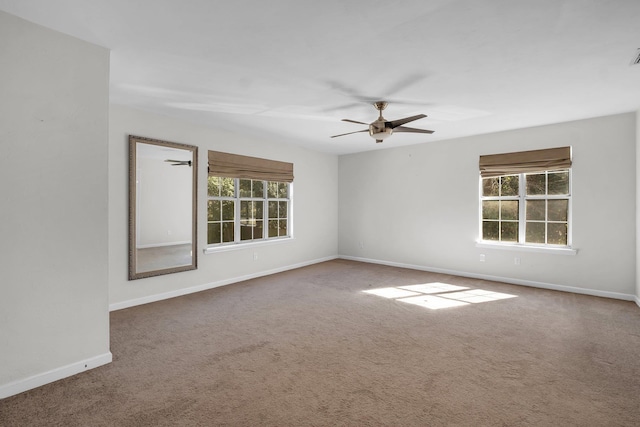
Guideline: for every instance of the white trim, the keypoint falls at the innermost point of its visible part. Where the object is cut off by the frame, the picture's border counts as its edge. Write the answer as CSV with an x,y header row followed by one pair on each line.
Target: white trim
x,y
20,386
530,283
185,291
637,299
245,245
527,248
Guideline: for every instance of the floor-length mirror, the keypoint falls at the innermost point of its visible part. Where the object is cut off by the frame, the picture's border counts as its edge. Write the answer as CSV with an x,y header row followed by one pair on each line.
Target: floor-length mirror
x,y
162,207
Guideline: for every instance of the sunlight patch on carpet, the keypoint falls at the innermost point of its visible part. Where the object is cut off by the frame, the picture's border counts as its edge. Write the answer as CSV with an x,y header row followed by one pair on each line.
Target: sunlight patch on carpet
x,y
433,302
433,288
392,293
477,296
438,295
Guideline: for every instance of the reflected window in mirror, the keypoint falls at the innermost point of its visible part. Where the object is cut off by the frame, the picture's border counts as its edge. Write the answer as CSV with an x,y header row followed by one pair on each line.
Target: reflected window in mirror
x,y
162,207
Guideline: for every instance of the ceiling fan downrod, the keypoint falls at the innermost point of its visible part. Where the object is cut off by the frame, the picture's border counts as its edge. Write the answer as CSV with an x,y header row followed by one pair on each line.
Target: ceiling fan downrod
x,y
379,130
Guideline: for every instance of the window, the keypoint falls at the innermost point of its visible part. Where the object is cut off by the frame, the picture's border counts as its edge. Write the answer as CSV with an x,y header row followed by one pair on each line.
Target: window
x,y
236,210
248,199
526,197
527,208
278,200
221,210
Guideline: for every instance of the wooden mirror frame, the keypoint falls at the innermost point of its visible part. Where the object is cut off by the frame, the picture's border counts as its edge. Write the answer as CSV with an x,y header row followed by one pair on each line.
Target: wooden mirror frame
x,y
134,273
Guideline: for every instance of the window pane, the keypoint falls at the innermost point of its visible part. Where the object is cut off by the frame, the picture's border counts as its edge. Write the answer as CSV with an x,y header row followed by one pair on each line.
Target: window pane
x,y
535,232
490,230
283,190
557,234
258,189
213,210
273,209
509,231
535,210
257,210
510,185
213,186
558,183
245,188
509,209
213,233
282,209
536,184
245,210
557,210
228,232
246,232
490,209
228,210
282,227
257,230
491,187
227,187
272,189
273,228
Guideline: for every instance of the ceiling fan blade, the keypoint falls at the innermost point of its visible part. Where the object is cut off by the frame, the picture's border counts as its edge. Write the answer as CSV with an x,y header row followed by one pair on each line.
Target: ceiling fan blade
x,y
353,121
342,107
350,92
395,123
358,131
390,91
414,130
403,84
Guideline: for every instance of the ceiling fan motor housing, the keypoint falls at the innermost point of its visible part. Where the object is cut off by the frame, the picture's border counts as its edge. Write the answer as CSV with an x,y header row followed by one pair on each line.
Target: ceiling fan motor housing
x,y
379,130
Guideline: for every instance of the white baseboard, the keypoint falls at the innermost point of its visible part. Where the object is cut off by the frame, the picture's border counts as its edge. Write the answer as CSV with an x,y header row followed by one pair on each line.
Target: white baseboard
x,y
180,292
185,291
38,380
533,284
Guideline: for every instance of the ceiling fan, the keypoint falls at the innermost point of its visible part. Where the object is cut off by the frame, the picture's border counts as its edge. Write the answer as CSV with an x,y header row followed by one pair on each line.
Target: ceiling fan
x,y
381,128
179,162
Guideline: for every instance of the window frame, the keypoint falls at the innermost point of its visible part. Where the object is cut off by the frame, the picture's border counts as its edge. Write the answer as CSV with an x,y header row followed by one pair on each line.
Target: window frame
x,y
237,221
522,199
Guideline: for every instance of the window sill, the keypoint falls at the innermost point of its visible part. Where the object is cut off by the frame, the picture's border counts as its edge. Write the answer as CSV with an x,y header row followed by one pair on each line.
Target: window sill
x,y
526,248
239,246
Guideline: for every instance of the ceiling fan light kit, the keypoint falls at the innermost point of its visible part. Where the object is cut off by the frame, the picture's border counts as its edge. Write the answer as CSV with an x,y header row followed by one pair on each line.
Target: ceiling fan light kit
x,y
380,129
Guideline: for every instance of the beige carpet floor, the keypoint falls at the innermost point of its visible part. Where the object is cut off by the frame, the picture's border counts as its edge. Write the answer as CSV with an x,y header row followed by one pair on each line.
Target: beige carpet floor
x,y
308,347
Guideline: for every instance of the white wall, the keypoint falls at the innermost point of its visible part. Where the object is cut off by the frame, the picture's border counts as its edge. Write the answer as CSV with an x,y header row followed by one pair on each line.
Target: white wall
x,y
637,208
315,207
418,205
53,181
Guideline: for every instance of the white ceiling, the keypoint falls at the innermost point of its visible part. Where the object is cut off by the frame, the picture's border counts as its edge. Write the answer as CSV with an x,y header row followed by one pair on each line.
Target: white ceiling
x,y
289,70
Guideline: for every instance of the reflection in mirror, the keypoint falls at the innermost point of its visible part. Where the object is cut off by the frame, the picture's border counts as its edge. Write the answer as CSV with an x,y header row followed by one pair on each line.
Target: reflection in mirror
x,y
162,207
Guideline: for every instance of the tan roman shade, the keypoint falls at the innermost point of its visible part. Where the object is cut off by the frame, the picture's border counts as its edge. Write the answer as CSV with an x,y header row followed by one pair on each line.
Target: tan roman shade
x,y
236,166
525,162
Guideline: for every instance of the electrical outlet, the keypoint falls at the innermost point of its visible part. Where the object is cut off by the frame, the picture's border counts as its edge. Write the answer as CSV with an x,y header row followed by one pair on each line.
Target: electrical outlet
x,y
481,257
255,256
361,245
516,260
